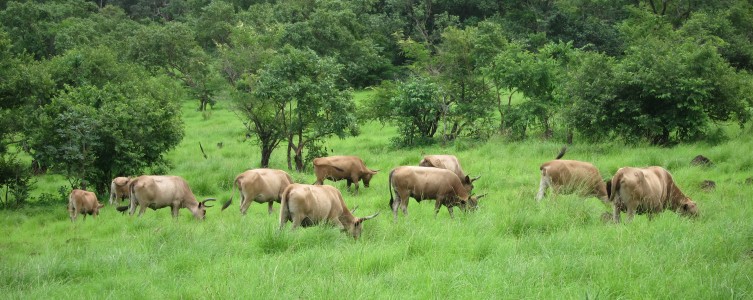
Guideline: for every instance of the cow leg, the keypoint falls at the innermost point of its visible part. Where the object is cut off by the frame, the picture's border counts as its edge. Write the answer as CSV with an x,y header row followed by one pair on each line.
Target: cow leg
x,y
546,182
349,182
175,210
284,217
616,211
270,209
142,209
245,203
437,206
355,181
630,211
297,220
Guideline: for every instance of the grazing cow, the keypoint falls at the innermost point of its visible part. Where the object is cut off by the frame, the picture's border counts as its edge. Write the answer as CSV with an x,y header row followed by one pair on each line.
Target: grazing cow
x,y
567,176
306,205
83,202
647,190
119,189
157,192
449,162
350,168
424,183
260,186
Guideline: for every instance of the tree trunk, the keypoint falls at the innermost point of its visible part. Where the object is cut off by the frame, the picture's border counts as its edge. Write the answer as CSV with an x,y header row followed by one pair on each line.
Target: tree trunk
x,y
266,153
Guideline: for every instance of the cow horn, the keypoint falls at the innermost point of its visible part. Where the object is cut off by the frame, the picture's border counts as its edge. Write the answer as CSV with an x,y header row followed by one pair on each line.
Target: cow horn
x,y
354,209
482,196
369,217
207,200
476,178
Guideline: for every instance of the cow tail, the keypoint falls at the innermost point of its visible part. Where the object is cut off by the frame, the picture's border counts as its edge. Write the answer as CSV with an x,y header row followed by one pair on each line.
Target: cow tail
x,y
615,189
284,206
132,196
112,192
232,193
389,186
562,152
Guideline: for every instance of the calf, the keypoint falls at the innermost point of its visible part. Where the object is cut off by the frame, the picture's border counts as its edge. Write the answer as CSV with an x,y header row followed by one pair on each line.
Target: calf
x,y
306,205
119,189
335,168
647,190
423,183
157,192
260,186
449,162
83,202
567,176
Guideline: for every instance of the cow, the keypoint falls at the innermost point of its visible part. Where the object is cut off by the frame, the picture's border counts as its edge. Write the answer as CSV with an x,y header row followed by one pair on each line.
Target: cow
x,y
449,162
119,189
307,205
83,202
647,190
424,183
260,186
335,168
157,192
567,176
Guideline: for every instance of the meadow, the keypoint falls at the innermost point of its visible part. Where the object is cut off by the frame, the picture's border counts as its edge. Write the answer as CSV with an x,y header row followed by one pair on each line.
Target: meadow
x,y
511,248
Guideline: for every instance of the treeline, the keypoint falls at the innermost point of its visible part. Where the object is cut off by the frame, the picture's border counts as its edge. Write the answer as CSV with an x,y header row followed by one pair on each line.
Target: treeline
x,y
91,89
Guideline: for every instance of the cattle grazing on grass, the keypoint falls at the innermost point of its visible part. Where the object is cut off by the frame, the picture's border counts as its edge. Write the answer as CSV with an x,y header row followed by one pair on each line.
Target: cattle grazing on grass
x,y
119,189
307,205
647,190
568,176
84,203
335,168
424,183
157,192
449,162
260,186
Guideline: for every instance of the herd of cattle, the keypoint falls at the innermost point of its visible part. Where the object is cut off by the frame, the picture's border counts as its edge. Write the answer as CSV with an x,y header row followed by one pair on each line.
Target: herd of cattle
x,y
438,177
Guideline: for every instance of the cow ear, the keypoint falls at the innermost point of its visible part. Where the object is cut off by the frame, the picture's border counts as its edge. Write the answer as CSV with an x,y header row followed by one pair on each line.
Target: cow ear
x,y
468,179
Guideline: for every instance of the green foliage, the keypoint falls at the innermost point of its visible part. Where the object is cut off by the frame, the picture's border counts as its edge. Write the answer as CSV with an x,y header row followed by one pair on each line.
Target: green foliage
x,y
413,106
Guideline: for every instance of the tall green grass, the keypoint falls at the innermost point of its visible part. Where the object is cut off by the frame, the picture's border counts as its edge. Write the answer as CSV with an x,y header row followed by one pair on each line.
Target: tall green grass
x,y
512,247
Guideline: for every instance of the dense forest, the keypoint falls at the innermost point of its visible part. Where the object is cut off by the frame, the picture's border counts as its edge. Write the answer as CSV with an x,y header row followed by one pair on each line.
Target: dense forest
x,y
92,89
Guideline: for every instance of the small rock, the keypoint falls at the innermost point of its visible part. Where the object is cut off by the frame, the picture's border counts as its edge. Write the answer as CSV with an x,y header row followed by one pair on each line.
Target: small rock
x,y
708,185
701,160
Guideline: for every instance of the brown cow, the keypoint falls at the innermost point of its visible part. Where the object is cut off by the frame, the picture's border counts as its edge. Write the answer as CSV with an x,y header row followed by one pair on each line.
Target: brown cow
x,y
424,183
157,192
648,190
449,162
350,168
119,189
306,205
83,202
567,176
260,186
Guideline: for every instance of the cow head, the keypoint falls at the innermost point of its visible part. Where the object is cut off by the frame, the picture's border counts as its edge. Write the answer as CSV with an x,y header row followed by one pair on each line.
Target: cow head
x,y
688,208
472,203
357,226
367,177
201,210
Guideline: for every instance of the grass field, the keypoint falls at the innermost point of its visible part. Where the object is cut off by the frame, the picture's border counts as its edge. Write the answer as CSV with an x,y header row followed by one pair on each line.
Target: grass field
x,y
511,248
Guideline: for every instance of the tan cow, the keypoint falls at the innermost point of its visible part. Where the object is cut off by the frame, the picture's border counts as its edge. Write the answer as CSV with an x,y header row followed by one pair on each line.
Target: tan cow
x,y
260,186
424,183
306,205
83,202
568,176
119,189
156,192
335,168
647,190
449,162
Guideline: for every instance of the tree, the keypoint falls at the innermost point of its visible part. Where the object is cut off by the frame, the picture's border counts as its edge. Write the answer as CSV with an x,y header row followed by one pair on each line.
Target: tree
x,y
108,119
172,49
413,105
670,85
